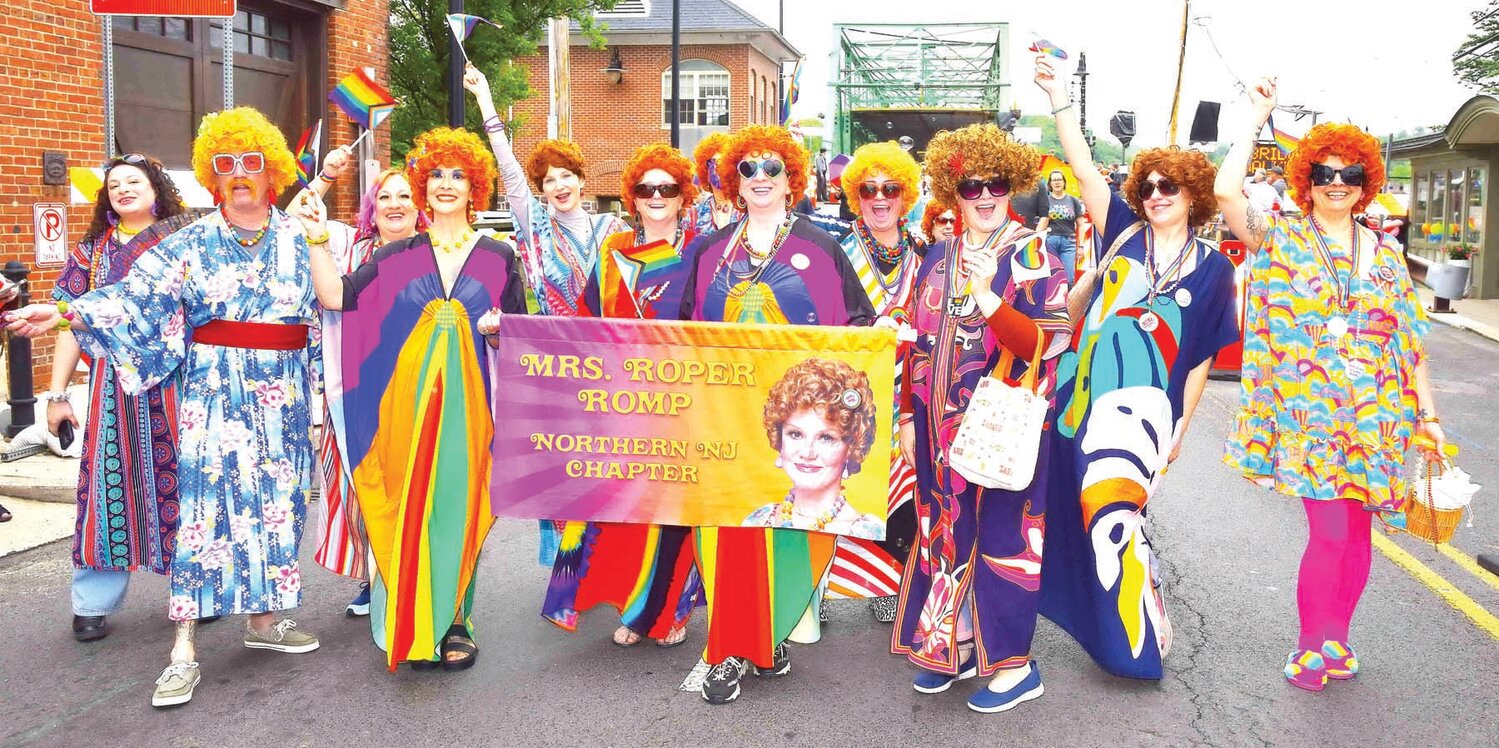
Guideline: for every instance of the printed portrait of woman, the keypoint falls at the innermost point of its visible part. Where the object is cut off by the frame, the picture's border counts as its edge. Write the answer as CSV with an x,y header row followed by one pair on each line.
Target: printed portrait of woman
x,y
820,420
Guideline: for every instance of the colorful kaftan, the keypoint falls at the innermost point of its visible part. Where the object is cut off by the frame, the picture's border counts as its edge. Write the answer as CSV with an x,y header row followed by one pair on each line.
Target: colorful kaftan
x,y
646,572
1119,414
876,566
245,449
558,261
1328,402
127,477
413,411
759,582
342,545
976,574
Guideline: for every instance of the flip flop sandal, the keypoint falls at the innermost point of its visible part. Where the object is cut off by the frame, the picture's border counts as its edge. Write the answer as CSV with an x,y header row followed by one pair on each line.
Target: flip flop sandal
x,y
4,514
673,638
630,638
458,640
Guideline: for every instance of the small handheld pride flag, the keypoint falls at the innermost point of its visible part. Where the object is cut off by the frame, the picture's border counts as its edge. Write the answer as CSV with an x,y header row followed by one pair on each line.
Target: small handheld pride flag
x,y
362,99
462,25
1045,47
307,153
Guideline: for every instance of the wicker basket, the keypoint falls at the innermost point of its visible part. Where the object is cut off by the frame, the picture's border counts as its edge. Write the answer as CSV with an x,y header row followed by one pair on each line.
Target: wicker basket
x,y
1424,520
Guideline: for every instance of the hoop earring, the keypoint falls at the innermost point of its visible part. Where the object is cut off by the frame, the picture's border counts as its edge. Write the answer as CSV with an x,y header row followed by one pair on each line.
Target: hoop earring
x,y
111,216
845,472
154,214
739,202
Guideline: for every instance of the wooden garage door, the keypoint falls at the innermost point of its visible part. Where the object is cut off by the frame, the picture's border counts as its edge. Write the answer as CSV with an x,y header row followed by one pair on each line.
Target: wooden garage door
x,y
169,73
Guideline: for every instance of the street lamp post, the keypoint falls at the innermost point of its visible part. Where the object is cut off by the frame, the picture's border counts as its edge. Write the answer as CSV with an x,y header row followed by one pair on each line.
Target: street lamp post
x,y
1082,90
455,73
676,73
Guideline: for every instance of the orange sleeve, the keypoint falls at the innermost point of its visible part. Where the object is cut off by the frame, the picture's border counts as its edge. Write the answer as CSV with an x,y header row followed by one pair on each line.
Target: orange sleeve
x,y
1016,332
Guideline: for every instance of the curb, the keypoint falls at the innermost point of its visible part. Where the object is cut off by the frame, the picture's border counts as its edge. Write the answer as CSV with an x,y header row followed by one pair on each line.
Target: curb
x,y
53,494
1453,319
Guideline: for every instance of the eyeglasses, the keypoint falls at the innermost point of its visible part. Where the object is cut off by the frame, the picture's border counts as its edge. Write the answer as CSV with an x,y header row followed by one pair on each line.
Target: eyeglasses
x,y
770,167
224,164
1164,185
943,220
973,189
868,190
665,189
1353,176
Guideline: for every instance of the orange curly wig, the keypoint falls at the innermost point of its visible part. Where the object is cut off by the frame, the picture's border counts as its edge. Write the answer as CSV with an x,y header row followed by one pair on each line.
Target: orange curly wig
x,y
663,157
823,385
981,150
559,153
240,130
445,146
929,219
706,150
1345,141
888,158
763,139
1189,169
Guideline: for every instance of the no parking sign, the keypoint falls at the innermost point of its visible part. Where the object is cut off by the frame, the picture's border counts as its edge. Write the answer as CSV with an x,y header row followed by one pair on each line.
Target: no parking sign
x,y
50,221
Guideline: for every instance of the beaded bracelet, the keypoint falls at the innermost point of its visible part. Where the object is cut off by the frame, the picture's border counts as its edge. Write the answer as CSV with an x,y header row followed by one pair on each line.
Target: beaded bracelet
x,y
323,175
1061,109
495,124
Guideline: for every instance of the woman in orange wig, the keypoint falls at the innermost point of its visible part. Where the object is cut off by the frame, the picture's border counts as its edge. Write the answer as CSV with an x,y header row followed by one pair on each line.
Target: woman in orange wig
x,y
1333,430
644,571
715,209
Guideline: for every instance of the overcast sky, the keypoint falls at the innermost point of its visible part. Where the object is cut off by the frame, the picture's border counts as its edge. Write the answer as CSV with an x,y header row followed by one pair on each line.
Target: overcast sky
x,y
1383,71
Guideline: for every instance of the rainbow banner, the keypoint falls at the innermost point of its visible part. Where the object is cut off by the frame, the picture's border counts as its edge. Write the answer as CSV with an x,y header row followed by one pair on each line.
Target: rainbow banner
x,y
693,423
1283,140
307,153
362,99
793,92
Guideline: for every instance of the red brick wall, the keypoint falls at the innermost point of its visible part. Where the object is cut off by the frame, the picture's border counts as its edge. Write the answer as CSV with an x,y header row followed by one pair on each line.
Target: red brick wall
x,y
51,98
358,37
610,121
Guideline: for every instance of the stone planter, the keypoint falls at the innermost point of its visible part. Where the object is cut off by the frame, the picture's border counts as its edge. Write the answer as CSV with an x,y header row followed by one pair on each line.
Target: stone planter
x,y
1449,280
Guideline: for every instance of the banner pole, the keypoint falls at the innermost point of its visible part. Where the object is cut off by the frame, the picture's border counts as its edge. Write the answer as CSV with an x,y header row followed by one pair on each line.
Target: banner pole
x,y
109,87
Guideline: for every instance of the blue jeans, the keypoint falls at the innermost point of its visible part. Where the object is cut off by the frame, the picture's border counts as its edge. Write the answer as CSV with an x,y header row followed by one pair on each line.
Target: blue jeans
x,y
1066,251
98,593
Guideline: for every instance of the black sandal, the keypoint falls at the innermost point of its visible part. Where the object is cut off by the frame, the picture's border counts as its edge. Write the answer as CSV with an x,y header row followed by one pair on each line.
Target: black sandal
x,y
458,641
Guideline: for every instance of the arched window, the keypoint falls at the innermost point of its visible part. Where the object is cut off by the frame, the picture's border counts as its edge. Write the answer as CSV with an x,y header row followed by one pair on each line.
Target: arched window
x,y
704,95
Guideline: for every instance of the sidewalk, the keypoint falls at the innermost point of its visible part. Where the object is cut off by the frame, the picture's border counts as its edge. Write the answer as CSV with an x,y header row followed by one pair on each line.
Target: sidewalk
x,y
1480,316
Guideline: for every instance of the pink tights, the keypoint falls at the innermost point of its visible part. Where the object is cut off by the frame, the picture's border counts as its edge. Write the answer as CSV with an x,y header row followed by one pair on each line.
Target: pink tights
x,y
1334,569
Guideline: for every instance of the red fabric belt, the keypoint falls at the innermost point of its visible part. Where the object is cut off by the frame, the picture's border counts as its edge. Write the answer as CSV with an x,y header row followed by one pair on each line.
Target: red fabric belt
x,y
260,335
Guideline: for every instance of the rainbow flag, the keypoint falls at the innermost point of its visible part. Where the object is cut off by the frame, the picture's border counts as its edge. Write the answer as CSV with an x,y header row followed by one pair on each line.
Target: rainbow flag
x,y
646,268
1283,140
1045,47
307,153
793,92
463,25
362,99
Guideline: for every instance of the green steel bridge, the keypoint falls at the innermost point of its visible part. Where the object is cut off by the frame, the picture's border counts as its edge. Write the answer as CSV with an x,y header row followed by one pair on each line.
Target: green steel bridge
x,y
893,80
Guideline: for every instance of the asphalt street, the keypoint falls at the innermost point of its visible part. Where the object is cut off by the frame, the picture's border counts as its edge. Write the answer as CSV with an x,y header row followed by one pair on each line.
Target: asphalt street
x,y
1230,550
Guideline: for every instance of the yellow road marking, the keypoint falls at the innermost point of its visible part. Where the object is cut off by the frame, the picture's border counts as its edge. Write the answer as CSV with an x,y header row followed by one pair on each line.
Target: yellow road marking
x,y
1444,589
1468,562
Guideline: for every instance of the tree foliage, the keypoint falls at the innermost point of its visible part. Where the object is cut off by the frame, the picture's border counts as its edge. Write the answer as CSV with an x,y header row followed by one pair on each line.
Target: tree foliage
x,y
1475,62
419,52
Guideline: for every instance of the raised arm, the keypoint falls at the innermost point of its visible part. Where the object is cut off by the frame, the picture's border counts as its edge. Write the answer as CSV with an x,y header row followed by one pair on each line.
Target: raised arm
x,y
334,166
517,189
1243,219
1090,183
327,282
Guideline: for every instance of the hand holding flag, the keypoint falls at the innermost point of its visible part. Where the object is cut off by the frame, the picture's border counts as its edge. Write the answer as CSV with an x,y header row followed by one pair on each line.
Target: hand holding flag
x,y
1046,47
462,25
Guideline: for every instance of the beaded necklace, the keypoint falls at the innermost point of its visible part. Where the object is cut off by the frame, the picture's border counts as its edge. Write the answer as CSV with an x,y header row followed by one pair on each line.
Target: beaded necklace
x,y
889,256
1338,325
252,241
739,240
1161,282
460,242
676,241
785,514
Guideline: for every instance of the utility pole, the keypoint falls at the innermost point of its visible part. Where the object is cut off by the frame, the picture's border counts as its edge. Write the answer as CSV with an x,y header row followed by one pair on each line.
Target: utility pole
x,y
676,73
1082,91
1181,62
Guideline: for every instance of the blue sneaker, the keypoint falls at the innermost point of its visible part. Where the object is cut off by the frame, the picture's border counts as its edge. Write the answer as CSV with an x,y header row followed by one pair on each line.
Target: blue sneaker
x,y
930,682
360,606
993,702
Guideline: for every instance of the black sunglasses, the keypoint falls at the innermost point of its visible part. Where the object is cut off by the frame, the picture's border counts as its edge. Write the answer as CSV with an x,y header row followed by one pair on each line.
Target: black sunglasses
x,y
972,189
1353,176
868,190
1164,185
666,189
133,159
771,167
